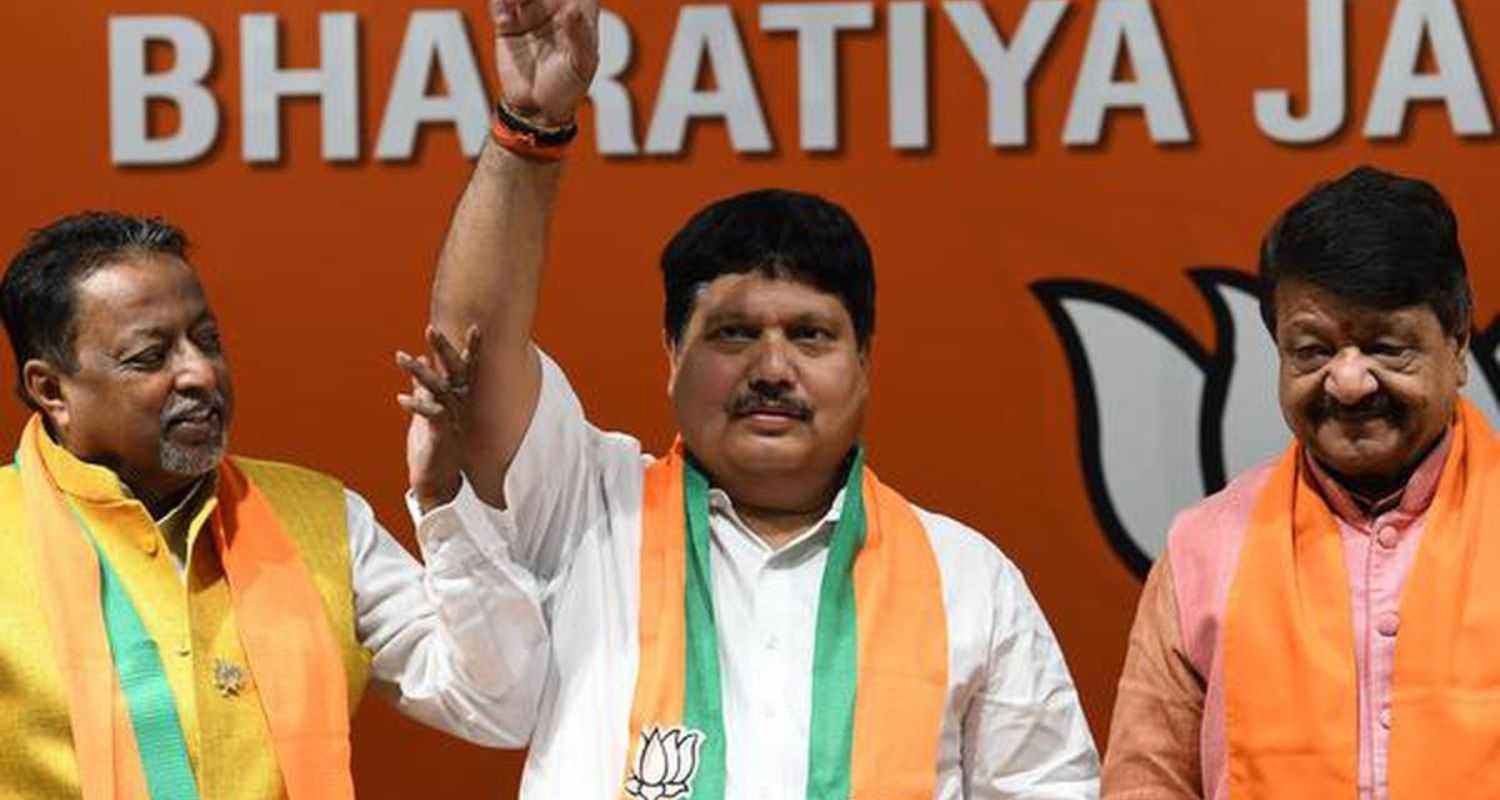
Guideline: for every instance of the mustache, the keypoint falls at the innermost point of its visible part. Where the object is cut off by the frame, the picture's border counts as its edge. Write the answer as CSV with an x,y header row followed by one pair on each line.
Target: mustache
x,y
753,402
184,407
1376,406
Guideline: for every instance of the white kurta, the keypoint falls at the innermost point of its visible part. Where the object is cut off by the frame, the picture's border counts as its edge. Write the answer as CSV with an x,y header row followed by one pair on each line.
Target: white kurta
x,y
1012,725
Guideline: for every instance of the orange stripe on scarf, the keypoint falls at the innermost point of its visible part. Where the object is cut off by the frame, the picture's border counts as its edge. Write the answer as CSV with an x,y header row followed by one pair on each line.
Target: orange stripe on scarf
x,y
903,642
287,639
1292,720
284,630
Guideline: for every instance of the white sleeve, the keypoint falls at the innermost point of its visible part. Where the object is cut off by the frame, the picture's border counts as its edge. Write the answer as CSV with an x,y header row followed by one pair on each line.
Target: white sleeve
x,y
461,644
553,487
1025,734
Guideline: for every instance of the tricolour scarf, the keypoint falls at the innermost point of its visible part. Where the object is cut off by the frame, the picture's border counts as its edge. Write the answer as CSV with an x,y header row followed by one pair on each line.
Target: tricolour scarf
x,y
880,660
1291,695
117,717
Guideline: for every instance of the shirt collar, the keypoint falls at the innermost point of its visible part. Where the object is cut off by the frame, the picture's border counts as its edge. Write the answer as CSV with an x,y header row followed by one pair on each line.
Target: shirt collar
x,y
1410,500
720,505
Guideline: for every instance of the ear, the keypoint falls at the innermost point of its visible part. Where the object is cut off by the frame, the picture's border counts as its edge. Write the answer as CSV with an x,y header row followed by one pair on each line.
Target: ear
x,y
673,357
1461,352
43,385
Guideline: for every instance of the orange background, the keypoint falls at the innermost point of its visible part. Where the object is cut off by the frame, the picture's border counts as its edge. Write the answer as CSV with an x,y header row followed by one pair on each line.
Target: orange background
x,y
319,272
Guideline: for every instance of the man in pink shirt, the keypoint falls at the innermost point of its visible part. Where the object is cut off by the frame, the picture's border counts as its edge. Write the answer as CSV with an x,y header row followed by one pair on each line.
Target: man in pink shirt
x,y
1367,296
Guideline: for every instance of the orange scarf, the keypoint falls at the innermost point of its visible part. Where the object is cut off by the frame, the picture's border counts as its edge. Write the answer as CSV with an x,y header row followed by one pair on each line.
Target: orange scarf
x,y
283,628
901,681
1291,696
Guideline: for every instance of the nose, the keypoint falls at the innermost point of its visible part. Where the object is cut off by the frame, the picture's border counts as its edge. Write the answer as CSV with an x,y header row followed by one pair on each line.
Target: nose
x,y
772,364
196,370
1349,379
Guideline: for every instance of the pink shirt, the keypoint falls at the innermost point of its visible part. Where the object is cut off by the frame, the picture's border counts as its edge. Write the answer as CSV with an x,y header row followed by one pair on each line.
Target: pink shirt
x,y
1203,549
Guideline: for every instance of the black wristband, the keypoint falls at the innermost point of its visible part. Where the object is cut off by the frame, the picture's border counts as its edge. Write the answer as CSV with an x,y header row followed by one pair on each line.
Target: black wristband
x,y
544,137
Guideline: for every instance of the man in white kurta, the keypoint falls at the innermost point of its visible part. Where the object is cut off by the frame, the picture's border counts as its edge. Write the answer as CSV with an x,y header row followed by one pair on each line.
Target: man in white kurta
x,y
1012,725
798,629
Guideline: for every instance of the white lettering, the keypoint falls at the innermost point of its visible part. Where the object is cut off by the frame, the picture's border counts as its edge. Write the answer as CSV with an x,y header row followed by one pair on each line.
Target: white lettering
x,y
131,88
1456,82
1007,71
1327,100
434,38
1121,25
614,114
911,116
707,31
817,26
264,83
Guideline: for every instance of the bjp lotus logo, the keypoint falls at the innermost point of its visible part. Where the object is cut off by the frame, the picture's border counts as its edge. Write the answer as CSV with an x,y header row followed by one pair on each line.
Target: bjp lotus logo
x,y
665,764
1162,420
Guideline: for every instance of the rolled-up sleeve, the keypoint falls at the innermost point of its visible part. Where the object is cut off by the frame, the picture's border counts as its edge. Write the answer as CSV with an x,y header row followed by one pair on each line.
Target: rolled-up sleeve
x,y
1153,749
460,644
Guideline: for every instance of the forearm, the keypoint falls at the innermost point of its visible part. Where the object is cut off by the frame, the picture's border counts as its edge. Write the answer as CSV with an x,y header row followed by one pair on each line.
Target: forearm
x,y
488,277
461,643
489,272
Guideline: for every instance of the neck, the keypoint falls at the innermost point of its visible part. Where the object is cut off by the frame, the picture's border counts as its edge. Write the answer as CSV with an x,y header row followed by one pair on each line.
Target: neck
x,y
777,527
158,497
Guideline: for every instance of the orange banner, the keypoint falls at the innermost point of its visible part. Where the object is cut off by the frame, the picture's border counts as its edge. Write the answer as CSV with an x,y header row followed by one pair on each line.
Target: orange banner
x,y
1064,200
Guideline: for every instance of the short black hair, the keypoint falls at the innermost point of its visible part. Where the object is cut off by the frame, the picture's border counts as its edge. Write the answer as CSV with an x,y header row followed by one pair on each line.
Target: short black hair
x,y
778,233
37,295
1374,238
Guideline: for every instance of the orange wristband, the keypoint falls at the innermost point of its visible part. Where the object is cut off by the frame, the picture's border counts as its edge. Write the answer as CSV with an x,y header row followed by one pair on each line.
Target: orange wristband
x,y
528,141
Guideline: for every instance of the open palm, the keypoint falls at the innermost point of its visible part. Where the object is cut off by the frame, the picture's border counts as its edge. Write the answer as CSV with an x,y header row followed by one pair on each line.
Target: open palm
x,y
546,52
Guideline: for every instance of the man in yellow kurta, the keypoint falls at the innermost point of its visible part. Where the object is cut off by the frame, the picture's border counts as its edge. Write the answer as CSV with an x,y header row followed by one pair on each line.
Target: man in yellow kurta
x,y
179,624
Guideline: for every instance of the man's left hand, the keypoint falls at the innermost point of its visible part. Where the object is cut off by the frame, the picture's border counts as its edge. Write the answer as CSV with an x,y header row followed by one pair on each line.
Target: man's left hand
x,y
439,403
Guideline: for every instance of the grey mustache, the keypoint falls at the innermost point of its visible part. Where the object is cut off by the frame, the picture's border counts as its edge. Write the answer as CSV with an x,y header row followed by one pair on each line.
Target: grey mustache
x,y
183,407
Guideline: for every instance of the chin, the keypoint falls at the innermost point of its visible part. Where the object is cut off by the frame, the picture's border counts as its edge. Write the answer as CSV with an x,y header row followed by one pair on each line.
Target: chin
x,y
767,455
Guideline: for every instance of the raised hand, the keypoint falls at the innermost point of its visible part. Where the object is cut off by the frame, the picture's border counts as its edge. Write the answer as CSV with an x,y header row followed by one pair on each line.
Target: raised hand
x,y
441,415
546,52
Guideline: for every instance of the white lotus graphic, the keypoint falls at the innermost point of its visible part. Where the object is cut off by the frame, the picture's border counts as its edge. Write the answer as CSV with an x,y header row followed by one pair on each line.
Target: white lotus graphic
x,y
665,764
1162,420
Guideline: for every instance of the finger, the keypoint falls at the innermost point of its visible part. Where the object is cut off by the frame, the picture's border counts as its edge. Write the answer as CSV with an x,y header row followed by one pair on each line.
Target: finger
x,y
422,406
580,25
422,373
452,361
519,17
473,341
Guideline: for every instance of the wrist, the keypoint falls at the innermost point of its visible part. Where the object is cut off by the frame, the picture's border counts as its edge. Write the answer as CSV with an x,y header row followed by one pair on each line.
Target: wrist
x,y
534,141
431,495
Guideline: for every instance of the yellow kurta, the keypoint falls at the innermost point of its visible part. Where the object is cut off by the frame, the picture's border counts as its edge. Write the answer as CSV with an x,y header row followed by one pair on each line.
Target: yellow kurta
x,y
192,622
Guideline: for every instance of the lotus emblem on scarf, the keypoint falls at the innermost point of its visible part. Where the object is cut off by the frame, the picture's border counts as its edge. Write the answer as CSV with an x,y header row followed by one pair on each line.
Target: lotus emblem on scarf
x,y
665,764
1163,420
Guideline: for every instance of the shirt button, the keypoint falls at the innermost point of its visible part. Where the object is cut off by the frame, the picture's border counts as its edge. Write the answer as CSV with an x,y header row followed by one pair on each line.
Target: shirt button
x,y
184,649
148,543
1388,623
1388,537
771,643
1385,718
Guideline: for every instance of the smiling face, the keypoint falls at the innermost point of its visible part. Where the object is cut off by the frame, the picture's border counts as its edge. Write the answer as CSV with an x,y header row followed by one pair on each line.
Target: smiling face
x,y
151,396
1367,391
769,386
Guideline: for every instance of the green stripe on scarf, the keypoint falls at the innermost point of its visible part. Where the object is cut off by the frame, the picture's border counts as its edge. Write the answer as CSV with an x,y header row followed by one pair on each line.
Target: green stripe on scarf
x,y
143,681
835,649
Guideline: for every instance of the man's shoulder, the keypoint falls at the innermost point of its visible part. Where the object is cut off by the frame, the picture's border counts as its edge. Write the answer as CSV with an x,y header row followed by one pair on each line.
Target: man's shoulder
x,y
1224,513
962,549
274,475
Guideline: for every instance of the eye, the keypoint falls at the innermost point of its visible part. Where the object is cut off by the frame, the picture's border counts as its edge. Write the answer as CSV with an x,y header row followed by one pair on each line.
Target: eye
x,y
207,340
151,358
814,333
734,333
1310,356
